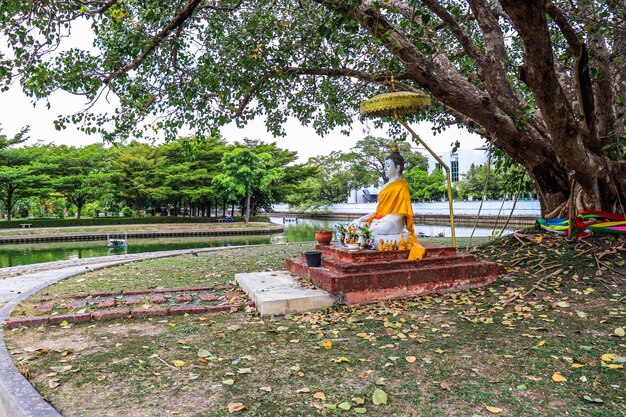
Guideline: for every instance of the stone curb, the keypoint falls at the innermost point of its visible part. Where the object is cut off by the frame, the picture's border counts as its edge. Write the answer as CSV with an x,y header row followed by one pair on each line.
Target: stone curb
x,y
115,313
18,398
147,234
151,291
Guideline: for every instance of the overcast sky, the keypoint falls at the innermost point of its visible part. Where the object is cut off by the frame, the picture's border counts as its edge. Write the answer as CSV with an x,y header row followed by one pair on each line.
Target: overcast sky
x,y
16,111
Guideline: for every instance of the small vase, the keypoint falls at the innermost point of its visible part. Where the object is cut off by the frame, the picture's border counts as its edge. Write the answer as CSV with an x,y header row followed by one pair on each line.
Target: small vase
x,y
324,237
361,241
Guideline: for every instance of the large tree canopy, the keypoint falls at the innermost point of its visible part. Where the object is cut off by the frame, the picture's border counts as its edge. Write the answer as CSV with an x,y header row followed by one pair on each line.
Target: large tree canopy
x,y
545,82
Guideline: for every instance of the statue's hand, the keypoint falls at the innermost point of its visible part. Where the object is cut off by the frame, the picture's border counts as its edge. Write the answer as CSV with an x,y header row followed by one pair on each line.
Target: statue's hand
x,y
356,223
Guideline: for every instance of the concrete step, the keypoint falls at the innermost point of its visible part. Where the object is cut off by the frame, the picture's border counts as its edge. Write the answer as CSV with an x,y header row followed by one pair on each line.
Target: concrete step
x,y
341,266
278,293
339,282
368,256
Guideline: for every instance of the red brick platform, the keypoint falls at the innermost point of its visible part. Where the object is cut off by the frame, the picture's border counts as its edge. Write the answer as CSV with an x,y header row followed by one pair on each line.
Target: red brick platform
x,y
369,276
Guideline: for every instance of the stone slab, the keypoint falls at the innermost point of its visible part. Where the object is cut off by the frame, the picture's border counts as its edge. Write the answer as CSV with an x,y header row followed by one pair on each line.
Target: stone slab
x,y
278,293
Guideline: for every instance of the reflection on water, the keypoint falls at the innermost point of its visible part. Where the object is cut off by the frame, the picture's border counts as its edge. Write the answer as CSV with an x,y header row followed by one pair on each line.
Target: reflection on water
x,y
301,230
25,254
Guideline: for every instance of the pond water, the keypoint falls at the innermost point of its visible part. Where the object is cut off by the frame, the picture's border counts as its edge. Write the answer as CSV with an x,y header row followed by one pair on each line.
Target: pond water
x,y
302,230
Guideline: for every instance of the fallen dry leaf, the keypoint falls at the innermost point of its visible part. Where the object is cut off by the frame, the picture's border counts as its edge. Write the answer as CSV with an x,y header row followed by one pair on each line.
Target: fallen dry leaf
x,y
320,396
607,357
235,407
494,410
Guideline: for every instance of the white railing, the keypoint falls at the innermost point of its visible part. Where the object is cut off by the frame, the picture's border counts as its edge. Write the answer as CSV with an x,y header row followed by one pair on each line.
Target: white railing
x,y
525,208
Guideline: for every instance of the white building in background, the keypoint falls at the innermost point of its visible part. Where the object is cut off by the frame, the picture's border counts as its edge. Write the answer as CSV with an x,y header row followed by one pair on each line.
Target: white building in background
x,y
459,162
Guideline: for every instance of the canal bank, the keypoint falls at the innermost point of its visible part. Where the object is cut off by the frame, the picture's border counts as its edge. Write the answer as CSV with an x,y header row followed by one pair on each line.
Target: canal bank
x,y
140,234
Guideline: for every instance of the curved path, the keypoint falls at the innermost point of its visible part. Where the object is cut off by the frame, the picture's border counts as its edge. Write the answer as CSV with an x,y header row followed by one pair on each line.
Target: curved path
x,y
18,398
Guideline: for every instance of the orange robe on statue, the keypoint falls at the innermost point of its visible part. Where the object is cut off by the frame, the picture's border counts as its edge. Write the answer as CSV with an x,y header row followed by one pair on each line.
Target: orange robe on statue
x,y
395,198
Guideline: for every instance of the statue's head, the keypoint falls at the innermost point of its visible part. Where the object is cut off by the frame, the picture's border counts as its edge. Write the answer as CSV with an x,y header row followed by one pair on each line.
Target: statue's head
x,y
397,162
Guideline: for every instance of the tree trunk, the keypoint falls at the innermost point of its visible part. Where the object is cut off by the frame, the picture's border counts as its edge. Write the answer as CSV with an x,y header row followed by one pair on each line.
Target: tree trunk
x,y
556,138
247,216
137,207
232,210
9,204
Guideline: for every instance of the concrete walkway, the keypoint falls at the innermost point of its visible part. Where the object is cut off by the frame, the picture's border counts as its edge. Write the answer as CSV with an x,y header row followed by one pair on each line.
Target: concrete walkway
x,y
18,398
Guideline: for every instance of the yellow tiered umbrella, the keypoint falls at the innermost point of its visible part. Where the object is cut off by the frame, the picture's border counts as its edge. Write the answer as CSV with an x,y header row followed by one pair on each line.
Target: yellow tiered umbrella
x,y
396,105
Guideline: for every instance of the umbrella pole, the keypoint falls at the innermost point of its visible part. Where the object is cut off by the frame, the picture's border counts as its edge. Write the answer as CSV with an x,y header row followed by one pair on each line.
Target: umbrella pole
x,y
449,181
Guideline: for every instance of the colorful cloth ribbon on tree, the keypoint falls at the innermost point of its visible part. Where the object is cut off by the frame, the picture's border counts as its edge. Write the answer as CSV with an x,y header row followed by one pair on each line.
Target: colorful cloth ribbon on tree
x,y
587,222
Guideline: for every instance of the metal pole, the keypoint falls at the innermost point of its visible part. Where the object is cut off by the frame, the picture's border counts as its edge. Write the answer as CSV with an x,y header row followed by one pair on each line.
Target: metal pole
x,y
443,164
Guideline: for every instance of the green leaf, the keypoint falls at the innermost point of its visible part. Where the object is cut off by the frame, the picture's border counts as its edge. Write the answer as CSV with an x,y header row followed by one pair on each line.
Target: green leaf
x,y
64,323
203,353
592,400
587,348
360,410
379,397
522,387
345,405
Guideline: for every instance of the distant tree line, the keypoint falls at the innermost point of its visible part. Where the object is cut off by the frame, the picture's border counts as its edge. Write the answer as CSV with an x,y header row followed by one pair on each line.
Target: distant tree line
x,y
189,176
205,176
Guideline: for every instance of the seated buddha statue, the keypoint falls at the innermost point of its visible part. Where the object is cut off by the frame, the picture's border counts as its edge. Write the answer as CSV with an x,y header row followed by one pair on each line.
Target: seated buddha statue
x,y
394,210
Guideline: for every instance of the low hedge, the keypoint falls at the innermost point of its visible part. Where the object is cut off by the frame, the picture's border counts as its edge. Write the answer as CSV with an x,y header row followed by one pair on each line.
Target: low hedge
x,y
103,221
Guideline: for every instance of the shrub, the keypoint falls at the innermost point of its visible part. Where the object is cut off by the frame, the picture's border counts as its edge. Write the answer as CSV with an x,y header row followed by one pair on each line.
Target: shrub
x,y
102,221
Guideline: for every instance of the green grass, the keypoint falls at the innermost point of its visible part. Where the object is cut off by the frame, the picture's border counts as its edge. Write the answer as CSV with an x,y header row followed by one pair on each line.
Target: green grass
x,y
472,349
133,228
208,268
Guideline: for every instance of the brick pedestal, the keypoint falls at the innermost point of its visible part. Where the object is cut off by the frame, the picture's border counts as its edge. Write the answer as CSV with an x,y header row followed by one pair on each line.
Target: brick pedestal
x,y
370,276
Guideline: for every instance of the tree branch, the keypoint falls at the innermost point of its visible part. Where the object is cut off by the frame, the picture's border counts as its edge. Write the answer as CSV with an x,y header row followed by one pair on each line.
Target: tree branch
x,y
178,20
380,79
494,60
565,132
618,51
582,80
222,8
101,10
455,28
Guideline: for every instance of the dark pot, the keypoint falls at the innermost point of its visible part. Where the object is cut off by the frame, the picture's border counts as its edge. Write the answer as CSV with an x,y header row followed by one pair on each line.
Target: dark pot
x,y
313,259
324,237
